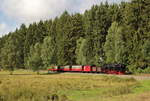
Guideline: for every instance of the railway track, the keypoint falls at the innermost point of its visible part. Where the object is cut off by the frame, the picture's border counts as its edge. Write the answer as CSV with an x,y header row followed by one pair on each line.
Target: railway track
x,y
137,77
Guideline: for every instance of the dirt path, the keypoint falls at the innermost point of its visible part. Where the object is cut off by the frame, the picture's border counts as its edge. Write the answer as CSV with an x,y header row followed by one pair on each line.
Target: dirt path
x,y
137,77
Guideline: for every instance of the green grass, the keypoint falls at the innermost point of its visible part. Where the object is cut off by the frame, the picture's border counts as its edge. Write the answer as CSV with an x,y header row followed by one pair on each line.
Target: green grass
x,y
144,86
27,86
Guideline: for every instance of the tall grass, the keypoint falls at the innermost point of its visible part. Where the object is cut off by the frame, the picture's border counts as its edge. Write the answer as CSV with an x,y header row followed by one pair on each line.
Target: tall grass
x,y
61,87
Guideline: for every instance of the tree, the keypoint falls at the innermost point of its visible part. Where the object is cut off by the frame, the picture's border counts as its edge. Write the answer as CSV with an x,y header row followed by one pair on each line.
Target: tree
x,y
29,41
41,31
48,52
34,59
121,54
90,35
115,46
80,58
1,45
75,31
110,43
96,22
21,33
11,54
146,52
63,28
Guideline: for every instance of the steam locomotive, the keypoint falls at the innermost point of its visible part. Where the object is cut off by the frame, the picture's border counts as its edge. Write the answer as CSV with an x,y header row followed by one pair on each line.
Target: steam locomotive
x,y
119,69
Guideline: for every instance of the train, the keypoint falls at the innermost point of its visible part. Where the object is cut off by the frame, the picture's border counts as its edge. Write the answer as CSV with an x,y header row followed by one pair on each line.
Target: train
x,y
118,69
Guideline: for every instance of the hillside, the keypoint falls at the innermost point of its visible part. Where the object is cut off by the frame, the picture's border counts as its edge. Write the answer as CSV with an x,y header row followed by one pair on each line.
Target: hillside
x,y
107,33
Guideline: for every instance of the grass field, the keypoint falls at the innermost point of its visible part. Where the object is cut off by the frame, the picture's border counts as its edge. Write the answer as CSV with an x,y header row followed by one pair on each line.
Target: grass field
x,y
27,86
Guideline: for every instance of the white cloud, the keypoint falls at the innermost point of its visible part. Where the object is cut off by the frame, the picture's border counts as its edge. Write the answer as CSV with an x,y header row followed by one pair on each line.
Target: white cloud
x,y
27,11
3,28
34,10
31,10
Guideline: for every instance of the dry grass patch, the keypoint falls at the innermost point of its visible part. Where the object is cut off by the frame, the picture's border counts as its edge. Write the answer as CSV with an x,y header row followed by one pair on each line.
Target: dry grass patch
x,y
62,87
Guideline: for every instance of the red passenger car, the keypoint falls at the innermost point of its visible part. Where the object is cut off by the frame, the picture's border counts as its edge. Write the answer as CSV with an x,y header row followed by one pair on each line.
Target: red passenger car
x,y
77,68
108,69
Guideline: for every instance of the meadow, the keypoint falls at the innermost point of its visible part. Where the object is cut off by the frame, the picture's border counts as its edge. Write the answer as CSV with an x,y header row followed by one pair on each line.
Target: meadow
x,y
27,86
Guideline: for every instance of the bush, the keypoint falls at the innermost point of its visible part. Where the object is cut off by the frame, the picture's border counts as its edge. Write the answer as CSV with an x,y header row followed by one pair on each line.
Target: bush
x,y
147,70
134,69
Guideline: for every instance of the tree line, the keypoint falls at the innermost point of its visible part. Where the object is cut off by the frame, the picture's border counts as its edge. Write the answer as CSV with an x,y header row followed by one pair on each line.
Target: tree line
x,y
107,33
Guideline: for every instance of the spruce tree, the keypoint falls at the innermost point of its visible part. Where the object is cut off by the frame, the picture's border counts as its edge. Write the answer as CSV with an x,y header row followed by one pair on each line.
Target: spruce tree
x,y
109,46
63,29
34,59
47,52
80,56
116,44
11,54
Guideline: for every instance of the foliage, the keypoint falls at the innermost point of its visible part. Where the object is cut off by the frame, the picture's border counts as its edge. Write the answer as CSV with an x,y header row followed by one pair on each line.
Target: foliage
x,y
116,44
34,58
107,33
48,52
80,56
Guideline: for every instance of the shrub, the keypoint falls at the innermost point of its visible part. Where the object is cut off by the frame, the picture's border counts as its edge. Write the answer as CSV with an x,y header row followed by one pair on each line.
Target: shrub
x,y
147,70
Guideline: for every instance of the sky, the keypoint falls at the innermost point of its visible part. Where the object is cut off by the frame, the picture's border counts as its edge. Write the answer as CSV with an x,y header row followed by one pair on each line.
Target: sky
x,y
15,12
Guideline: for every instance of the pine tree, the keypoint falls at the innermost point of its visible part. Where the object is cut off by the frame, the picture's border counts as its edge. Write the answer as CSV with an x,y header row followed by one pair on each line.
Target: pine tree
x,y
29,41
146,53
75,26
40,32
34,59
89,51
115,46
80,58
11,54
109,46
47,52
21,37
138,19
121,54
63,28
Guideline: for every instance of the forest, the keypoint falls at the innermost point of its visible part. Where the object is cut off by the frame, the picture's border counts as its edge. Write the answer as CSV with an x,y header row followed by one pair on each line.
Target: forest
x,y
105,34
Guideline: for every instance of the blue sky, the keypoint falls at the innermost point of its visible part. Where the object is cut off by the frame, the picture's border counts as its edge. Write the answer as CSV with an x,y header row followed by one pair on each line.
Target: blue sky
x,y
15,12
